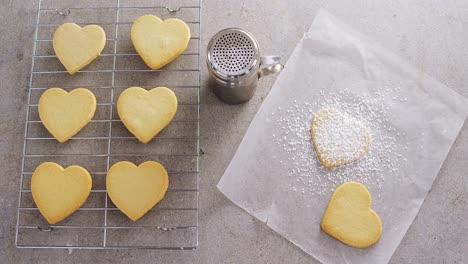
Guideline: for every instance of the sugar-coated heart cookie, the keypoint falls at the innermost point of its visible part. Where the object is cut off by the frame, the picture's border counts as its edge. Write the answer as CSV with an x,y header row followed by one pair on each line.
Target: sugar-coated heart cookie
x,y
349,217
159,42
135,190
64,114
77,47
146,113
338,138
59,192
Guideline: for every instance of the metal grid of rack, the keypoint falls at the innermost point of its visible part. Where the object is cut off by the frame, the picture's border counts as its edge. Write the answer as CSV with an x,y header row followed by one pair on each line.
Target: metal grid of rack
x,y
173,223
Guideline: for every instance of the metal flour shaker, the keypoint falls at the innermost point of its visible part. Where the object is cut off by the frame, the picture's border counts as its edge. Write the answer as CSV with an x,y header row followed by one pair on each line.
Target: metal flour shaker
x,y
235,65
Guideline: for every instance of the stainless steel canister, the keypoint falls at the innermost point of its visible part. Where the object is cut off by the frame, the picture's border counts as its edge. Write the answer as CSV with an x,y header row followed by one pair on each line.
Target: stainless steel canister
x,y
235,65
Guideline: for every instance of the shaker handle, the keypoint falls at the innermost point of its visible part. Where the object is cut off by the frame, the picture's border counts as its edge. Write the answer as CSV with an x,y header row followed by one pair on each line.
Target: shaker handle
x,y
272,65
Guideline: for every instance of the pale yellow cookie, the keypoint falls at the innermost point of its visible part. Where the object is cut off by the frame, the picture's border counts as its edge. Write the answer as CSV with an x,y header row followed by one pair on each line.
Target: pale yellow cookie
x,y
59,192
77,47
338,138
146,113
64,114
159,42
135,190
349,217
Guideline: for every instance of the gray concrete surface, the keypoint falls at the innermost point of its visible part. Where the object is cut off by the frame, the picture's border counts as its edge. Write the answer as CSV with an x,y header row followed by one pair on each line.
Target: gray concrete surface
x,y
431,34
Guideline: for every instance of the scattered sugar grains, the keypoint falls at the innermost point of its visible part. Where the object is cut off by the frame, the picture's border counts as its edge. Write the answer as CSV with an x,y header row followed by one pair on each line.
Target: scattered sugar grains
x,y
306,174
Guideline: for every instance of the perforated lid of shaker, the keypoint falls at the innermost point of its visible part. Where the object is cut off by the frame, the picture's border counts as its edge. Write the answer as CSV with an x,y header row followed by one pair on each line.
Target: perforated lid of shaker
x,y
233,53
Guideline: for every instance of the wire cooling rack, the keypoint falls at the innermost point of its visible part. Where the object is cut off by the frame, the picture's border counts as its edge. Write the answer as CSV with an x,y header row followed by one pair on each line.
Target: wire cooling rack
x,y
173,223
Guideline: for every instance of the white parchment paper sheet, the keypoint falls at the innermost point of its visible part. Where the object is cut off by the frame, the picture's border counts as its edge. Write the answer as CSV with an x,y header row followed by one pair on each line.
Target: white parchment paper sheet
x,y
426,115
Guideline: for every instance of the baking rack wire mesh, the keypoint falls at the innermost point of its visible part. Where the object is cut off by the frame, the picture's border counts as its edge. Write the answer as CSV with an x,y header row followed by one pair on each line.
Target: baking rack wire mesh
x,y
98,224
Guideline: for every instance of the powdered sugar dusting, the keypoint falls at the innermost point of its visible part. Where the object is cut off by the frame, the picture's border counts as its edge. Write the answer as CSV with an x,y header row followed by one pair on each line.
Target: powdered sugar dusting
x,y
306,174
338,138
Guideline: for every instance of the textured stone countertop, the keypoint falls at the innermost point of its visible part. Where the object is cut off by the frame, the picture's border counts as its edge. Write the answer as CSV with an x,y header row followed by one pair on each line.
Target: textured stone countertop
x,y
430,34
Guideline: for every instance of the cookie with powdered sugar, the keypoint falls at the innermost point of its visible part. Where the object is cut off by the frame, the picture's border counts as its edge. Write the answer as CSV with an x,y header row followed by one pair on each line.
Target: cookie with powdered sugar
x,y
338,138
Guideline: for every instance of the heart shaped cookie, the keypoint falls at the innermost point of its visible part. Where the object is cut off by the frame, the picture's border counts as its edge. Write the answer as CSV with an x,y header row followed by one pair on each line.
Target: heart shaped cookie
x,y
146,113
159,42
77,47
59,192
349,217
64,114
338,138
135,190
